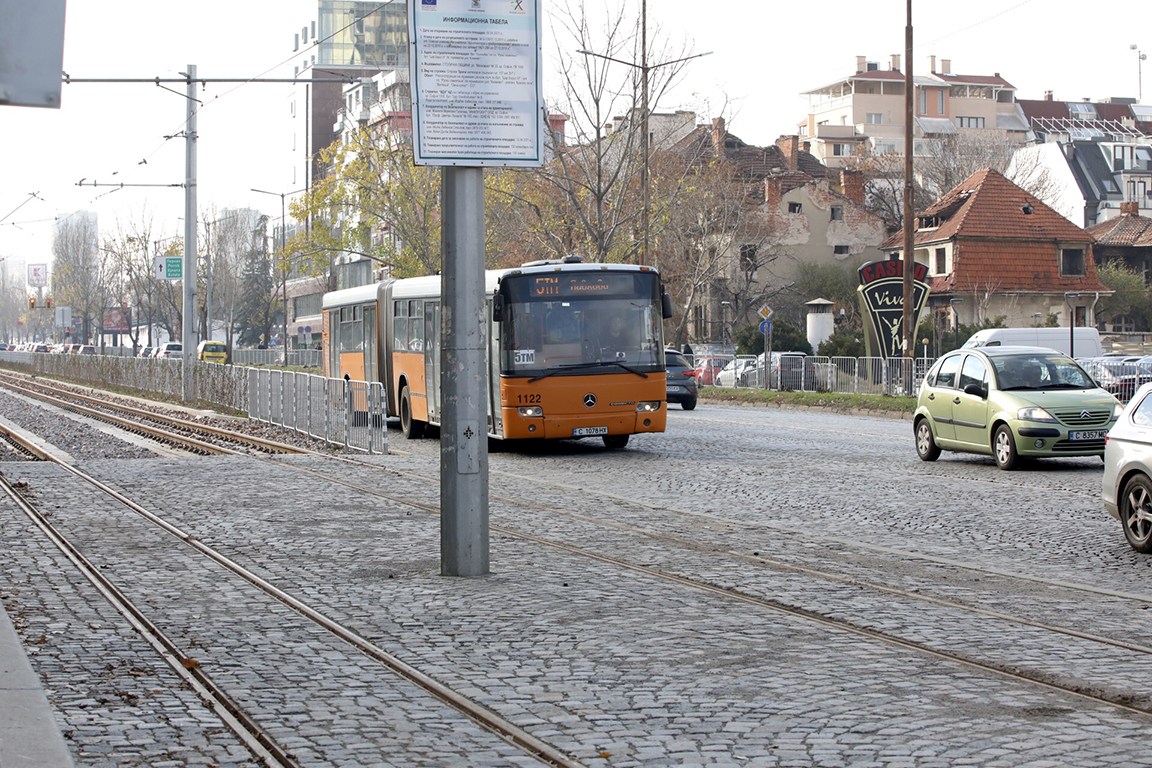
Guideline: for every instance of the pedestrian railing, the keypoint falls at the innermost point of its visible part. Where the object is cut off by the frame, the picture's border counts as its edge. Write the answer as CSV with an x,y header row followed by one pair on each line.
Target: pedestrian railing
x,y
341,412
852,375
297,358
348,413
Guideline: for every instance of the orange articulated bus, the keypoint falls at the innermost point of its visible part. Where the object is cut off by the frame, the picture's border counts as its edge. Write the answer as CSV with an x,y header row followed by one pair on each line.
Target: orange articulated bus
x,y
574,350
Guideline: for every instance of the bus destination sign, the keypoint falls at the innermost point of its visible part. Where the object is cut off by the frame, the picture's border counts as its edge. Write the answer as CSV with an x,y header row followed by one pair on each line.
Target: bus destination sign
x,y
563,285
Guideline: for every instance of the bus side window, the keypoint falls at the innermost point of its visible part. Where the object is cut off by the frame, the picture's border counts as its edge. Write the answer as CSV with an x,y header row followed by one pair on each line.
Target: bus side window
x,y
415,325
399,326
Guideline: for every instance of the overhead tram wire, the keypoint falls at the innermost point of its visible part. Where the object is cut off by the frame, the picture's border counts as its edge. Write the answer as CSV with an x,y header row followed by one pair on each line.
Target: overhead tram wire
x,y
68,79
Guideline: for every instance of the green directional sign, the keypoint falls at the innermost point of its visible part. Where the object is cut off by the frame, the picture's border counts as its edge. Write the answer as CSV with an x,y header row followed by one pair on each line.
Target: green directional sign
x,y
173,268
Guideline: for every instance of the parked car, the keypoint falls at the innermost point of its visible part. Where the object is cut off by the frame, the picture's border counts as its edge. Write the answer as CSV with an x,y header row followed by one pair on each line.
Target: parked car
x,y
212,351
1127,484
86,349
707,368
1011,403
1119,375
145,352
169,349
681,377
735,373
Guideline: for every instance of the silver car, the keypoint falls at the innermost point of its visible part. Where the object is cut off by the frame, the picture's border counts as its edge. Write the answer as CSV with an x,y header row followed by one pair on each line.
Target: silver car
x,y
1128,470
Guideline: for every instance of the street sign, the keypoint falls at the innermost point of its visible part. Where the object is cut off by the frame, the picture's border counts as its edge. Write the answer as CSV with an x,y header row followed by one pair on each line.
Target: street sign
x,y
37,275
765,326
169,267
477,93
766,312
63,317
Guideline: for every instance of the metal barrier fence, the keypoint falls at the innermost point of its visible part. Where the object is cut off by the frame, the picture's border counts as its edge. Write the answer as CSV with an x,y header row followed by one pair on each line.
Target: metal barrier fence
x,y
1118,376
851,375
297,358
348,413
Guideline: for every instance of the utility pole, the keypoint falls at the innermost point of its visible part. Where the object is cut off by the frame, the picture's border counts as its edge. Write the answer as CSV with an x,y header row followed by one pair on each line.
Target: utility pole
x,y
188,337
909,214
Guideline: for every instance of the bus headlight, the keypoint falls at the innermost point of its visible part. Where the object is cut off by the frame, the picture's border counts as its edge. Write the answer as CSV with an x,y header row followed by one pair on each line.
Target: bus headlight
x,y
648,406
531,411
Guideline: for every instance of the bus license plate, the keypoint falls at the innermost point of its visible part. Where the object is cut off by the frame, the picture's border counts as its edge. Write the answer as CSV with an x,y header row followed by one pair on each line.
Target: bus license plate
x,y
1095,434
586,431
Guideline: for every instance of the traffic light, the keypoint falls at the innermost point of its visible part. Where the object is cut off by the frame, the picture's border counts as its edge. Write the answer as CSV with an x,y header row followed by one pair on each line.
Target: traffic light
x,y
48,303
32,303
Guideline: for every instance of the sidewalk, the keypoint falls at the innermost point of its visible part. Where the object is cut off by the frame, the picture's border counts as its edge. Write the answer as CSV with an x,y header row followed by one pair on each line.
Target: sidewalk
x,y
29,736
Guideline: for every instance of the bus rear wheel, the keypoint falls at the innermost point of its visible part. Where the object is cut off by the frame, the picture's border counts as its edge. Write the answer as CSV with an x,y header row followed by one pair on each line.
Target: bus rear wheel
x,y
615,441
409,427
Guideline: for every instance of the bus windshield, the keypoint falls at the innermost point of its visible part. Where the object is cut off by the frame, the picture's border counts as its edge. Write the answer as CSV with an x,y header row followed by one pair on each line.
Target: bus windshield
x,y
574,322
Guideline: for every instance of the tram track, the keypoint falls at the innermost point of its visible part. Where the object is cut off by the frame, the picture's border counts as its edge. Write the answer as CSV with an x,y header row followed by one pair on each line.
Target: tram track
x,y
155,426
1122,700
256,737
1033,677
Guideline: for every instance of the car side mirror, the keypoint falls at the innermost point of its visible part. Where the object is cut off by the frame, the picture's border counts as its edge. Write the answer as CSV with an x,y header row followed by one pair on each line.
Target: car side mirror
x,y
977,390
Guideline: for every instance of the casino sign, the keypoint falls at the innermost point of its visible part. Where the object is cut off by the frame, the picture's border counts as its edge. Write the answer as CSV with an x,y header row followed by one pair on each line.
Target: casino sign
x,y
881,294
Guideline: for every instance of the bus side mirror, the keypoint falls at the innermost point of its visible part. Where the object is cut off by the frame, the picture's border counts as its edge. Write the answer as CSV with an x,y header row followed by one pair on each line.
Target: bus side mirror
x,y
498,308
666,305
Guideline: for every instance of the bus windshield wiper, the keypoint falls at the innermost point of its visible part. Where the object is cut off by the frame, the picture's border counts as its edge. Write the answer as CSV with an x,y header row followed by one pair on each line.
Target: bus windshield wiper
x,y
597,364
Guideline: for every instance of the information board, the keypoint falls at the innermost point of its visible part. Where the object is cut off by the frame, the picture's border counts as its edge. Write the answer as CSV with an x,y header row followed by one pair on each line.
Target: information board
x,y
477,95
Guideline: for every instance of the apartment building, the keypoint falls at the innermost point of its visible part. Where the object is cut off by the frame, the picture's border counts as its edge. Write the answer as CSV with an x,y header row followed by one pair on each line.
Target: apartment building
x,y
867,109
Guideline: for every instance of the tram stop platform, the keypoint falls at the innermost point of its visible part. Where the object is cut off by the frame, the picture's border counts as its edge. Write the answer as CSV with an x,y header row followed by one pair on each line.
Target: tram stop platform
x,y
29,735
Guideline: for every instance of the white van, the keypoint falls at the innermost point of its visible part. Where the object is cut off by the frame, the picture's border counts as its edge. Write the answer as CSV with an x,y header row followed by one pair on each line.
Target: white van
x,y
1086,340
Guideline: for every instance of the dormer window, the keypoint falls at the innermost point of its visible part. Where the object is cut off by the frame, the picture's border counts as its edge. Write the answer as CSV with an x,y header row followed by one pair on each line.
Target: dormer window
x,y
1072,262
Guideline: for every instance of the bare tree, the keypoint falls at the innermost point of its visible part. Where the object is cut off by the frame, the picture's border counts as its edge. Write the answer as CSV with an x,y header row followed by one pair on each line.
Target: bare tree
x,y
590,198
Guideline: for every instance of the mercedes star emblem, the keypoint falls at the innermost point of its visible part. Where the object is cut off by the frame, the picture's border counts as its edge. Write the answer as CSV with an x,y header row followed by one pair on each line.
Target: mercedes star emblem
x,y
589,399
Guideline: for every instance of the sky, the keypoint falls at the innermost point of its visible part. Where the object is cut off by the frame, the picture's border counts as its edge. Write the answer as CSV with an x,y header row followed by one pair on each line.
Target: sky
x,y
762,55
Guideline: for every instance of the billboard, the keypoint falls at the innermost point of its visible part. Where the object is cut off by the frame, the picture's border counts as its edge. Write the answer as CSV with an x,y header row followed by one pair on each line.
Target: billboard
x,y
117,320
38,275
881,296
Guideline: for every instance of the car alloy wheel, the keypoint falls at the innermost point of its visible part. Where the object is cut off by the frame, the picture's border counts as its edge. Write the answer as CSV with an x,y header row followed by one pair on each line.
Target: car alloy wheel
x,y
926,447
1004,448
1136,513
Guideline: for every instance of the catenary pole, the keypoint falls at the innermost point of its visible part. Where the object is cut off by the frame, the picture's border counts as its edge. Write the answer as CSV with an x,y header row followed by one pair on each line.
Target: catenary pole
x,y
188,336
909,247
463,380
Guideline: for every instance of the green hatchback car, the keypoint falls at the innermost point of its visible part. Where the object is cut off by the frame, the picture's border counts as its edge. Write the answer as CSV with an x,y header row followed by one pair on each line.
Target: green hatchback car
x,y
1011,403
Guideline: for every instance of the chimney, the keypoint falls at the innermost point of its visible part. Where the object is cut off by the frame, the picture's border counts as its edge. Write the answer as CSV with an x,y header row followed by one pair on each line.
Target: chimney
x,y
772,193
556,125
945,66
806,146
932,64
895,62
861,63
1047,95
1130,209
718,135
790,149
852,185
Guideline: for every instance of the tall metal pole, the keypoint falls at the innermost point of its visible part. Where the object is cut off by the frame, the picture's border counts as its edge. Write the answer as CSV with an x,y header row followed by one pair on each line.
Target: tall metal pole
x,y
208,280
284,262
644,148
188,335
464,382
909,349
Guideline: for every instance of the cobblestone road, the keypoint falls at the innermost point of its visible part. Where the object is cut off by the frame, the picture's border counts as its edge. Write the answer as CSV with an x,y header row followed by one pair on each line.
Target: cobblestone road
x,y
612,665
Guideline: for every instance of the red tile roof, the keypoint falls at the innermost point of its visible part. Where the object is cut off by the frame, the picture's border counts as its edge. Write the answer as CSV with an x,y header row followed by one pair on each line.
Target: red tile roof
x,y
988,205
1129,230
999,246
